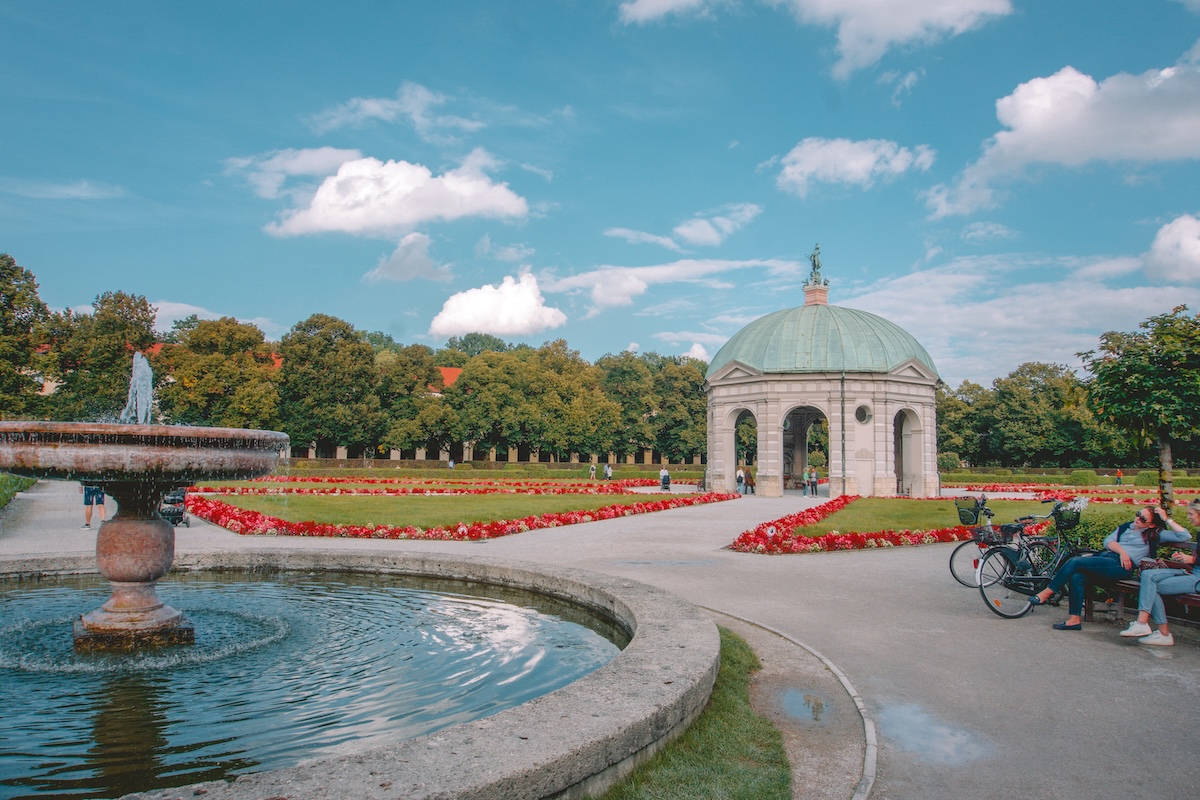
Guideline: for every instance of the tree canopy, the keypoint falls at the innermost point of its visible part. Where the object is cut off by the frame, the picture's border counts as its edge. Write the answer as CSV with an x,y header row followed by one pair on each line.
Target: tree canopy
x,y
22,313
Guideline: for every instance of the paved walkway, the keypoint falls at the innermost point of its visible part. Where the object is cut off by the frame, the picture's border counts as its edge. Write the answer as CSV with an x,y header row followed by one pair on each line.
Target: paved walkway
x,y
966,704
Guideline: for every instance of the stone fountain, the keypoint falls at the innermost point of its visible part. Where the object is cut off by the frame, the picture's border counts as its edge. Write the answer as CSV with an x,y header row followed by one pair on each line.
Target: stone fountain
x,y
137,464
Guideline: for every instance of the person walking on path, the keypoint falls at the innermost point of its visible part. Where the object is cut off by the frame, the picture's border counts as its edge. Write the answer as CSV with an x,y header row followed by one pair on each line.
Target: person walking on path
x,y
741,481
1120,477
608,472
592,471
750,482
1156,583
92,495
814,479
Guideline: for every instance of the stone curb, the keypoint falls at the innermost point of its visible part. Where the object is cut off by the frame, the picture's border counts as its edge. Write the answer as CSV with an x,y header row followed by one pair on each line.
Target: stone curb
x,y
574,741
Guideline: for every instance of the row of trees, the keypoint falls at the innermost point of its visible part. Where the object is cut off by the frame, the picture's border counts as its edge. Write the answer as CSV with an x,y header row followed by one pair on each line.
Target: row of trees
x,y
327,383
331,385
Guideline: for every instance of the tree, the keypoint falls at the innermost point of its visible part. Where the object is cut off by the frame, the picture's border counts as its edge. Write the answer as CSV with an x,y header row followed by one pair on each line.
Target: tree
x,y
681,424
475,343
628,381
22,313
328,385
92,355
221,373
1148,382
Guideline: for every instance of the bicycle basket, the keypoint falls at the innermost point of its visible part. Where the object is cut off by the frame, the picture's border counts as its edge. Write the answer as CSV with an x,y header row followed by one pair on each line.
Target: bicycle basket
x,y
1067,517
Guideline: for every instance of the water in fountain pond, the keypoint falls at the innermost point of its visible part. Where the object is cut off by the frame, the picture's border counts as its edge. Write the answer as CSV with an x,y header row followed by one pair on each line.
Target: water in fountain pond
x,y
285,667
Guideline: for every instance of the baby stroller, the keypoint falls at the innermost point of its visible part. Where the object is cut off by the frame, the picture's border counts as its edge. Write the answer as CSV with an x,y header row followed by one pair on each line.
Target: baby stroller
x,y
174,508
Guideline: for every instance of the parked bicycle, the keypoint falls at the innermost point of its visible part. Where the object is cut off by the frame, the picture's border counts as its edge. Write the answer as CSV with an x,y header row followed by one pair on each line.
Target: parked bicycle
x,y
1010,573
965,558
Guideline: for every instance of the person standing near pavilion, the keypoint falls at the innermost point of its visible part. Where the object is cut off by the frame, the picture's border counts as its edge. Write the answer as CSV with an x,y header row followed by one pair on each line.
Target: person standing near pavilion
x,y
92,495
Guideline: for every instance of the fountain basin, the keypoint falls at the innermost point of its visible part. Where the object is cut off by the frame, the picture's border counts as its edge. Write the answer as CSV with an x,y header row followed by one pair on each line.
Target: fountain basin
x,y
578,739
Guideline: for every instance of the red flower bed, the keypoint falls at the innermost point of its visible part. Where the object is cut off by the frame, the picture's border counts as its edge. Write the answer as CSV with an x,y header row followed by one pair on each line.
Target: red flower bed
x,y
251,523
779,536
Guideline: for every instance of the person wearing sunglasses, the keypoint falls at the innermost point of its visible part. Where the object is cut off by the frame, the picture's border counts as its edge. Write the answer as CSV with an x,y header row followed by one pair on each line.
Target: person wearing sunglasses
x,y
1123,549
1157,582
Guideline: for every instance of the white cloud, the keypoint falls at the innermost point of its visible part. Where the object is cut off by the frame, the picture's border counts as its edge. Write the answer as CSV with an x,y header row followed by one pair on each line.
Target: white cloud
x,y
268,173
698,351
866,29
712,231
514,252
632,347
371,197
980,232
967,313
643,11
514,308
610,286
168,312
413,102
640,237
903,84
75,190
1175,253
700,231
861,163
410,260
1071,120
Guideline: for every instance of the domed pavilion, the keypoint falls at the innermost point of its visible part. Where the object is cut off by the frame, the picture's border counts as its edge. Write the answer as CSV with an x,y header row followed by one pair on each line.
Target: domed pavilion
x,y
867,378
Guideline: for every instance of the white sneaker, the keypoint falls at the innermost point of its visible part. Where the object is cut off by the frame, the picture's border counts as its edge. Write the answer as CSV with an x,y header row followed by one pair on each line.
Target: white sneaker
x,y
1138,629
1157,638
84,526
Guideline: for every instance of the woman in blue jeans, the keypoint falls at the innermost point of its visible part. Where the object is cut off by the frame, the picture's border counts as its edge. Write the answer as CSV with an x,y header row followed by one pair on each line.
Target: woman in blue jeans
x,y
1123,549
1156,583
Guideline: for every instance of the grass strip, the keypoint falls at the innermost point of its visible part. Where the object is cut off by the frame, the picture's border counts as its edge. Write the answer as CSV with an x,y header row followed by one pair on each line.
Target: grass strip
x,y
729,753
11,484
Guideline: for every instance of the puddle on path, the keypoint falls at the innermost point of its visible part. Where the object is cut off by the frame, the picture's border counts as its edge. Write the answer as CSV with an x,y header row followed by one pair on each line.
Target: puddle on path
x,y
805,706
912,729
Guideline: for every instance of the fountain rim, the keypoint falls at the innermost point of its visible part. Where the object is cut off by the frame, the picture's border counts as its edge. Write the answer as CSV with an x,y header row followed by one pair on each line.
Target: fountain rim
x,y
581,738
116,433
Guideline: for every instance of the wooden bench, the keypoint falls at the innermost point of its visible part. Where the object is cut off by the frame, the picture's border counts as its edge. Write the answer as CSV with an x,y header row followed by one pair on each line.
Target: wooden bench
x,y
1127,588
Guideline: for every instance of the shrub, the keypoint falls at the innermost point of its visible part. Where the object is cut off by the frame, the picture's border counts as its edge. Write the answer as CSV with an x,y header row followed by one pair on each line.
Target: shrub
x,y
1147,477
11,484
948,462
816,459
1083,477
1001,471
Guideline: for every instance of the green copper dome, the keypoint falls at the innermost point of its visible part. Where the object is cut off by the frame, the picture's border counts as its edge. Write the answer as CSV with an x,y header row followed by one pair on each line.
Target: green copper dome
x,y
821,338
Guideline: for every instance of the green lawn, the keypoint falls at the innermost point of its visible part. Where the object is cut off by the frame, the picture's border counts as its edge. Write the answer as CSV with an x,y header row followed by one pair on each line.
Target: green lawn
x,y
421,511
871,514
728,753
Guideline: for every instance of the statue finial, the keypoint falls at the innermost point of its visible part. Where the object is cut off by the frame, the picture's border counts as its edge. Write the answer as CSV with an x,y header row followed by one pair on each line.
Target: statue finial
x,y
814,277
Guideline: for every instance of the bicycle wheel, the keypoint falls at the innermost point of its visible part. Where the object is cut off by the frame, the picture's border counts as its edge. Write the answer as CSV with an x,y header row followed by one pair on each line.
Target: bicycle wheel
x,y
964,560
997,585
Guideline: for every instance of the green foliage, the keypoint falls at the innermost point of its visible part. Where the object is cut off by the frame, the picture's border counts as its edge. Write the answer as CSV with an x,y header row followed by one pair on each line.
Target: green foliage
x,y
92,355
948,461
22,315
11,484
223,374
816,458
728,753
1083,477
1146,477
475,343
328,385
1148,382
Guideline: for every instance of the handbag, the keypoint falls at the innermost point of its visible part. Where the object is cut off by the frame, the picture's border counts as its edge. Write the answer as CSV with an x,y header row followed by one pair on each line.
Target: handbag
x,y
1154,563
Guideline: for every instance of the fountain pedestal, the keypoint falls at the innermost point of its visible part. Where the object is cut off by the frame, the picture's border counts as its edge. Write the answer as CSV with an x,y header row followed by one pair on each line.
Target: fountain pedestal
x,y
133,550
137,465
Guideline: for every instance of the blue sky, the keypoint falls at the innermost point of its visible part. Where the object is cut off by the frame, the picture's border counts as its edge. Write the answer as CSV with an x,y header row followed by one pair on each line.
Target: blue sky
x,y
1005,179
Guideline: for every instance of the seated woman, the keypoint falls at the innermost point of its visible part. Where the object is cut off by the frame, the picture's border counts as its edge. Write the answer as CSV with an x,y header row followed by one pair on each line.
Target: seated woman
x,y
1123,549
1157,582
